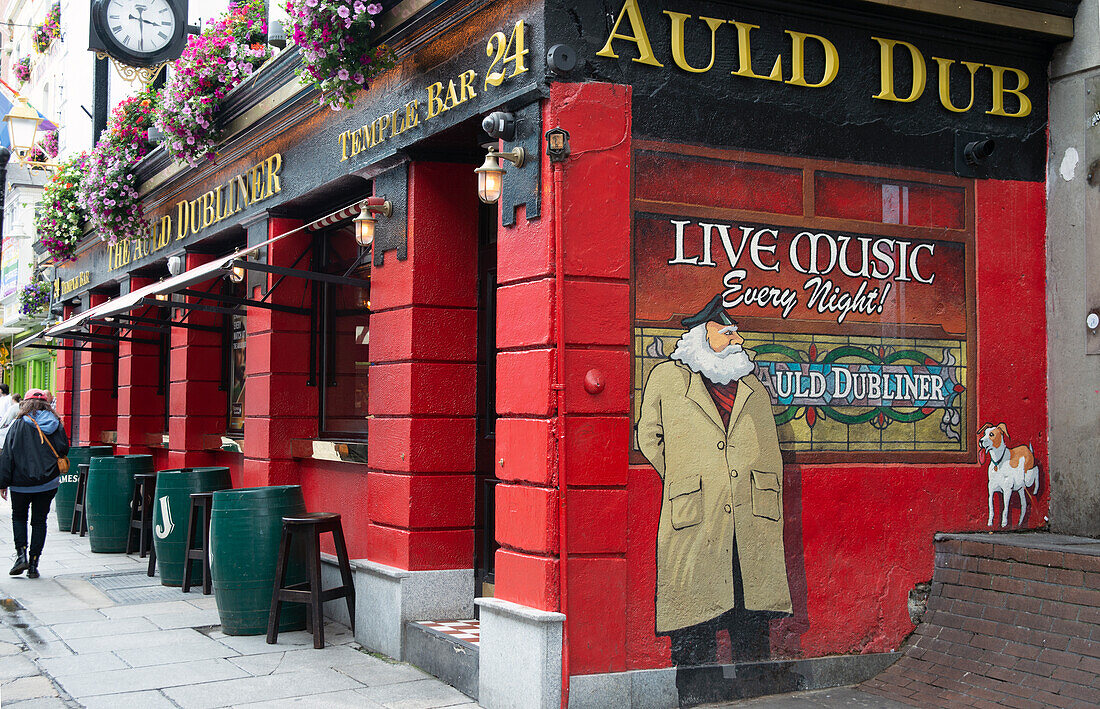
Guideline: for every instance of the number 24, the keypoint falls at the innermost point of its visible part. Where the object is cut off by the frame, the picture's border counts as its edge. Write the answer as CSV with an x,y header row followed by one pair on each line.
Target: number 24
x,y
508,50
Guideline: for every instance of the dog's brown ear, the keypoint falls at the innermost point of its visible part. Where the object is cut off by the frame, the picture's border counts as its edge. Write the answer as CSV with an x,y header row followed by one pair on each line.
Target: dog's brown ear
x,y
1004,430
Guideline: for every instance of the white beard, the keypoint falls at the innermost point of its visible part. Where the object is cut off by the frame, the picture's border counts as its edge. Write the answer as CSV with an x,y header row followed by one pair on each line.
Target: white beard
x,y
719,367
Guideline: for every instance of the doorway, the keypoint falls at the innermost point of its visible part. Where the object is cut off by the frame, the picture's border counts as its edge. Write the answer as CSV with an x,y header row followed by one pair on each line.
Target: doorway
x,y
485,481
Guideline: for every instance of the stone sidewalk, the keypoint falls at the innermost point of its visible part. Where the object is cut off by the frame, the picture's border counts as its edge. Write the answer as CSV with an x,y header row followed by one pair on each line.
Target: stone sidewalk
x,y
65,643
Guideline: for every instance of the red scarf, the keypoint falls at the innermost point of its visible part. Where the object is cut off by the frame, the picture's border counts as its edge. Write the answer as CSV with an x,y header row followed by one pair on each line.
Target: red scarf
x,y
723,396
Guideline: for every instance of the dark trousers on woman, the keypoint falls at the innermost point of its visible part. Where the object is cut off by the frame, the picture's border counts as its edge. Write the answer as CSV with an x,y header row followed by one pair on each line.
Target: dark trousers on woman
x,y
38,505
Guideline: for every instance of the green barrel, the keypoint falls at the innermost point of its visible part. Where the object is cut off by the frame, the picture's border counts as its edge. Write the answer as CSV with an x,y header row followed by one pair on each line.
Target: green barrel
x,y
110,489
171,511
66,492
245,528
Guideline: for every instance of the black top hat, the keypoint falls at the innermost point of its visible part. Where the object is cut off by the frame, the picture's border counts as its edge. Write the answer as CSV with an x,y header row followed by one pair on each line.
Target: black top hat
x,y
713,312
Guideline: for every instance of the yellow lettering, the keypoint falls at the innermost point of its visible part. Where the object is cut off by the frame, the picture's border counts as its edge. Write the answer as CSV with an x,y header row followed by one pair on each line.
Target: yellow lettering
x,y
181,221
744,55
920,72
208,213
999,92
193,207
798,60
452,95
274,164
242,196
678,56
412,113
640,37
466,81
344,146
257,179
945,83
435,104
382,123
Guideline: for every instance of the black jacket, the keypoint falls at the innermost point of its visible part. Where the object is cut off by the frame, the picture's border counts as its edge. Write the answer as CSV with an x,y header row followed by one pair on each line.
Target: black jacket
x,y
26,460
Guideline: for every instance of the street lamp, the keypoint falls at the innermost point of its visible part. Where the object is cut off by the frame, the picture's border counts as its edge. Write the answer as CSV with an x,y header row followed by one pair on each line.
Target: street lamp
x,y
23,122
365,222
490,176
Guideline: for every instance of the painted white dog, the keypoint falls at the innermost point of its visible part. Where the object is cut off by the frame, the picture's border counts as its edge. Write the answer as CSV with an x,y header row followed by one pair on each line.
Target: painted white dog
x,y
1010,470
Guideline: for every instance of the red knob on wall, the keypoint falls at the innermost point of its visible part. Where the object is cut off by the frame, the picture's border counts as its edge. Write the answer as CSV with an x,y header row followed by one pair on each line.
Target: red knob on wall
x,y
593,381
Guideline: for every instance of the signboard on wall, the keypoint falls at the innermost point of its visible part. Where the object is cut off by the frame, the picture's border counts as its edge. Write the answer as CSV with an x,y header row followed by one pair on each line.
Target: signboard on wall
x,y
851,285
9,266
237,375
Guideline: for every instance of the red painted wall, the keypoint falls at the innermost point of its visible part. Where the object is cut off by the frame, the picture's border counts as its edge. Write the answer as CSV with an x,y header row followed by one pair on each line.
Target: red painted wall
x,y
858,536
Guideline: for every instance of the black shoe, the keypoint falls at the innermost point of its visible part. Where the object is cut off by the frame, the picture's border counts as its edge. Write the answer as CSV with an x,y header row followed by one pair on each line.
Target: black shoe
x,y
32,566
21,563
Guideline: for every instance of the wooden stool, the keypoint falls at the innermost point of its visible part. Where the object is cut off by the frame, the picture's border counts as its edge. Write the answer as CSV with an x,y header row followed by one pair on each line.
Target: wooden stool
x,y
312,524
80,518
152,561
141,514
200,515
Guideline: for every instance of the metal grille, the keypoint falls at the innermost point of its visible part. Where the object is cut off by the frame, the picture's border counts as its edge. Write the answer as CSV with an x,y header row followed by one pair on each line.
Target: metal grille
x,y
133,587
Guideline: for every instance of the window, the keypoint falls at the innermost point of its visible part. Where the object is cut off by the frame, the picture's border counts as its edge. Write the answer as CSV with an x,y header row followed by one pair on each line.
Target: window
x,y
344,337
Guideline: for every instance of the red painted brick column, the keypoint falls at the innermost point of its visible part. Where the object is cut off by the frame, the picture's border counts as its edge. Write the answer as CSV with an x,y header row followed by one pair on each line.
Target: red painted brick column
x,y
98,392
196,401
422,391
596,257
140,406
279,405
63,380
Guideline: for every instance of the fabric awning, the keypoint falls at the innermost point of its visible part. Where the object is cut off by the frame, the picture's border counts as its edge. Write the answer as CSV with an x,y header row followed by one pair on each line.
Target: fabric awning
x,y
173,284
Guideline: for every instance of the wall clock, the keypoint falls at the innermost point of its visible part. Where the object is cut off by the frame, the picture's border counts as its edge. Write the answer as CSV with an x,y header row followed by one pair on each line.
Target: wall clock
x,y
139,33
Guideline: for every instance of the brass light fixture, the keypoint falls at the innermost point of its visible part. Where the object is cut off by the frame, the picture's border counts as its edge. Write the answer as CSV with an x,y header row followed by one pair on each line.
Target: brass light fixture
x,y
490,176
236,274
23,122
163,297
365,222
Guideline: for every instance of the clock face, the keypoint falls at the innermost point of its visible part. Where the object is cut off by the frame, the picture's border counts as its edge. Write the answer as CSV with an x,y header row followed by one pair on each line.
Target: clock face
x,y
140,26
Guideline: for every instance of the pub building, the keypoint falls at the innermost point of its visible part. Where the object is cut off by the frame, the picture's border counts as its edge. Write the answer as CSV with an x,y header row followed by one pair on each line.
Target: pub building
x,y
691,383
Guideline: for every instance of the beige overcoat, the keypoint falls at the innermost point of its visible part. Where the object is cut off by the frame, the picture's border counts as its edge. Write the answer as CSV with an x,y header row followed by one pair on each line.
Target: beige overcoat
x,y
717,481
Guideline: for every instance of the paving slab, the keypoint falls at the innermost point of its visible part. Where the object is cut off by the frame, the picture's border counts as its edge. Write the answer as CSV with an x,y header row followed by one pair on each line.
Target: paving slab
x,y
234,692
81,664
129,641
382,673
421,694
154,677
11,648
329,700
199,648
292,660
82,615
834,698
27,688
136,610
17,666
191,618
42,703
149,699
95,629
257,644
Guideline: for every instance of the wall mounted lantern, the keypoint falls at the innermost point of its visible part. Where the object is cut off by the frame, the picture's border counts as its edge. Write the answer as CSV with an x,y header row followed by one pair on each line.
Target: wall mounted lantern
x,y
23,122
490,176
364,223
236,274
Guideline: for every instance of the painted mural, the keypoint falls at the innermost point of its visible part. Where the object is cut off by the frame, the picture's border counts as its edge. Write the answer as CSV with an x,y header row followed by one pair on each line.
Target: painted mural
x,y
1011,470
785,310
851,287
706,426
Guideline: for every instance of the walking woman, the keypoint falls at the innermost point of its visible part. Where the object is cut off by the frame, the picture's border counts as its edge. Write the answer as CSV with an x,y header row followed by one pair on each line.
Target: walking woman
x,y
29,468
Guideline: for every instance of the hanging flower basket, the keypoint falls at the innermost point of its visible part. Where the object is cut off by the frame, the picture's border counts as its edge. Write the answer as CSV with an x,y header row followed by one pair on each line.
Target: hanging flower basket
x,y
34,297
59,217
108,188
22,69
337,55
50,143
224,55
49,30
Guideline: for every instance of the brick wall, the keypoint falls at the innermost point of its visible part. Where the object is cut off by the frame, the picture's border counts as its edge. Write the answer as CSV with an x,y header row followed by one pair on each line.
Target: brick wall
x,y
1006,625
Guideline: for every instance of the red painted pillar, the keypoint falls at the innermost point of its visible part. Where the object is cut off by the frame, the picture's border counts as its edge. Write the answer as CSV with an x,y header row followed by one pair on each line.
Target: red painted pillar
x,y
98,385
279,404
595,226
140,405
422,388
64,379
197,403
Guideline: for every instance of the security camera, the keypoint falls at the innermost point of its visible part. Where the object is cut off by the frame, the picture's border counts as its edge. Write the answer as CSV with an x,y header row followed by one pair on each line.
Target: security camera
x,y
978,151
175,265
500,125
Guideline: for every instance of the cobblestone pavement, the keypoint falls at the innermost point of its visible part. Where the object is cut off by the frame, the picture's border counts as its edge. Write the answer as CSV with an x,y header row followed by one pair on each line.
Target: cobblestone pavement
x,y
836,698
65,643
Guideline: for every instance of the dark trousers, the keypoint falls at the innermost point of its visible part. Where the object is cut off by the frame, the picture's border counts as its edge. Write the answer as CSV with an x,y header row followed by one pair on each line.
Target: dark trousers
x,y
749,631
38,504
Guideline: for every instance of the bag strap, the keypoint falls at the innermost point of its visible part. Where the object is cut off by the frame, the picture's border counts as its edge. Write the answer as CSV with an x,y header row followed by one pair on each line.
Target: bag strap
x,y
45,440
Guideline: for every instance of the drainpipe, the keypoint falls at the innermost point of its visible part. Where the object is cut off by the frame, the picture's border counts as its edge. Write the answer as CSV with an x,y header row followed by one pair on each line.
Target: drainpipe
x,y
559,389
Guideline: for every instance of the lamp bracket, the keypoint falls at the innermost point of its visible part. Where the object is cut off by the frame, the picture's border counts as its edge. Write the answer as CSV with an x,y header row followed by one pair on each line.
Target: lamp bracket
x,y
380,205
517,156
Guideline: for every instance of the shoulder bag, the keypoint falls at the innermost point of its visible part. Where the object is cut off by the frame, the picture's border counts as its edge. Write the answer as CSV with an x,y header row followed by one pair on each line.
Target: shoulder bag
x,y
62,462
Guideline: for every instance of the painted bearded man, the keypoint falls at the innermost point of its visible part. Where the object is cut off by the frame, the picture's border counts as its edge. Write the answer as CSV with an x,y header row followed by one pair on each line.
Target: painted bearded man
x,y
706,426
